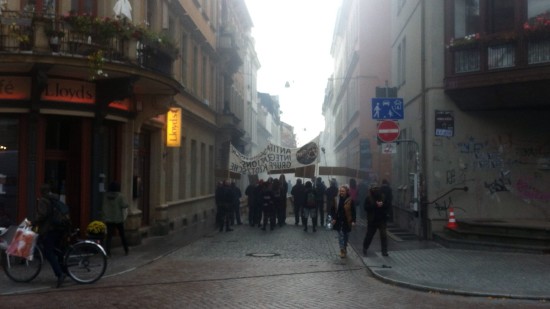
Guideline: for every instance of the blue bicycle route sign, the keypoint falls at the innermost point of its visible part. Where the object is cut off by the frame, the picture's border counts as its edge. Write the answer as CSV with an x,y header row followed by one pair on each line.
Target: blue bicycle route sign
x,y
387,108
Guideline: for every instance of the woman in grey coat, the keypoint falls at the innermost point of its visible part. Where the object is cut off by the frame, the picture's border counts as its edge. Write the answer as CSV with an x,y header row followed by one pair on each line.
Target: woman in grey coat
x,y
114,206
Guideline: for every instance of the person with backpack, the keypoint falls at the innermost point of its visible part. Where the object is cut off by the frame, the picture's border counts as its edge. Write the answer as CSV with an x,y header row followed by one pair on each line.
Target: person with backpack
x,y
113,207
50,233
310,207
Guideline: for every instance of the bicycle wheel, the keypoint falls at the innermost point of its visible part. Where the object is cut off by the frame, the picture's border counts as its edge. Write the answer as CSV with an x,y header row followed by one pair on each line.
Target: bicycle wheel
x,y
85,262
20,269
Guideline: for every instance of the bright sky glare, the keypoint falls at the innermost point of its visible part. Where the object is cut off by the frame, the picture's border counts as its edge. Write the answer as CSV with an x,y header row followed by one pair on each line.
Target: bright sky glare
x,y
293,39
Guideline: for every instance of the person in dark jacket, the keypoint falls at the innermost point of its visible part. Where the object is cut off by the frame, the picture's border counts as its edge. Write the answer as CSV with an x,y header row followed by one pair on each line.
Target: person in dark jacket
x,y
310,207
49,237
388,198
281,210
268,204
251,199
227,200
320,190
331,193
376,211
343,218
298,199
237,194
113,208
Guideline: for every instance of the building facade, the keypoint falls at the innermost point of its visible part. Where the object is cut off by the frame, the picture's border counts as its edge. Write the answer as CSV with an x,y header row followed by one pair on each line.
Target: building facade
x,y
474,78
88,97
350,135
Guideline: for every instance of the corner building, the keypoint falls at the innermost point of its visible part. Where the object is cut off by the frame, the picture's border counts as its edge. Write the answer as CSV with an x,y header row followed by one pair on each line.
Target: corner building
x,y
84,100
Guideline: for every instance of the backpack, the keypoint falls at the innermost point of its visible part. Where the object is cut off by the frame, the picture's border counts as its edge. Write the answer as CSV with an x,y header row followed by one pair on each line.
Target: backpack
x,y
61,214
310,199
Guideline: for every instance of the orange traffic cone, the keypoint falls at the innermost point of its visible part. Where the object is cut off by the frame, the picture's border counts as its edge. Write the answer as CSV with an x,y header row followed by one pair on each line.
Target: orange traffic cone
x,y
452,221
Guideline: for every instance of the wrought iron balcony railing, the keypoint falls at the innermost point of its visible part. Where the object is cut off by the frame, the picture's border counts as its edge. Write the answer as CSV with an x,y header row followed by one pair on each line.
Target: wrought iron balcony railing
x,y
54,35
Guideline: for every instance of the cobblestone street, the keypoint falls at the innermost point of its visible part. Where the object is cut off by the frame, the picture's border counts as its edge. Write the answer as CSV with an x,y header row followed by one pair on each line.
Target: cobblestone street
x,y
250,268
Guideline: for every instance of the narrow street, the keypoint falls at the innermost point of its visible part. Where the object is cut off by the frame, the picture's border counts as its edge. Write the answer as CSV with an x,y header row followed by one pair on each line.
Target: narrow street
x,y
246,268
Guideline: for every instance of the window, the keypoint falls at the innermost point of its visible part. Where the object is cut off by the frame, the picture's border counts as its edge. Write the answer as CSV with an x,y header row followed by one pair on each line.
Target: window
x,y
39,5
467,19
537,7
204,177
9,173
84,7
501,15
183,168
195,69
184,60
204,76
194,168
401,62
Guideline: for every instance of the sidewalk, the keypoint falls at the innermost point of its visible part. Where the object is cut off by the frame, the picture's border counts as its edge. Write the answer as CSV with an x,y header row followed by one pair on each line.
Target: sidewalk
x,y
422,265
425,265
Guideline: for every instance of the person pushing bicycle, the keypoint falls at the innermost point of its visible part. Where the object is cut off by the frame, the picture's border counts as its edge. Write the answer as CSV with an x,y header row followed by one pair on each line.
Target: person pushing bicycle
x,y
50,235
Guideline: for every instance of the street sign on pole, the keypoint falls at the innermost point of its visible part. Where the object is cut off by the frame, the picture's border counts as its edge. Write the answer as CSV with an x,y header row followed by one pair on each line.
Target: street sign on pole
x,y
388,131
387,108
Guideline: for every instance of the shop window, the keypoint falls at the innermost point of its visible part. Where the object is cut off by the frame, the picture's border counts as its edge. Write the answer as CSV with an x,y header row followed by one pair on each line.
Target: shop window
x,y
9,162
56,134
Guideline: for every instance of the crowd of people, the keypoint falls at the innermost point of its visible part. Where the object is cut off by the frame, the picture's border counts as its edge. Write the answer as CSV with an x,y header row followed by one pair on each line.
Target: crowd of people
x,y
333,207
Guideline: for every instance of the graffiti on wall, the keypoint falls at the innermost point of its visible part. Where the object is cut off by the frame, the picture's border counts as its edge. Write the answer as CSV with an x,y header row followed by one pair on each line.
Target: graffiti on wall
x,y
483,155
527,190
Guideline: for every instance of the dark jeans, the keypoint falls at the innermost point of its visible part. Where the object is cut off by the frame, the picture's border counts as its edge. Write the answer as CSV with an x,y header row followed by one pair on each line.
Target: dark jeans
x,y
297,214
321,208
110,232
371,230
237,210
49,242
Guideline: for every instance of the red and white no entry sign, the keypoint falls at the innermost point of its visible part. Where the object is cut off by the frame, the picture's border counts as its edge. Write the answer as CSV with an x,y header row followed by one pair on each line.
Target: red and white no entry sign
x,y
388,131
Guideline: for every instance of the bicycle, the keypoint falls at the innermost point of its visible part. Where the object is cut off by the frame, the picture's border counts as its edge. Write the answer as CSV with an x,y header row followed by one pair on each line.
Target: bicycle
x,y
84,261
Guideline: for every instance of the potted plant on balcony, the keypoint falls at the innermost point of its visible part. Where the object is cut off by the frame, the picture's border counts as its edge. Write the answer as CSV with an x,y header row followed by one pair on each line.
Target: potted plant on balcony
x,y
538,27
20,35
469,41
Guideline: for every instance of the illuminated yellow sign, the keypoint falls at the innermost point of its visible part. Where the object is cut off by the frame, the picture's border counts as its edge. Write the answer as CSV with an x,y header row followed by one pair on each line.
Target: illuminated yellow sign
x,y
173,127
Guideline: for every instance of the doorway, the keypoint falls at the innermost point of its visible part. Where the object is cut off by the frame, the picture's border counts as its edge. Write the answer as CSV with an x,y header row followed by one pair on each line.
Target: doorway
x,y
62,168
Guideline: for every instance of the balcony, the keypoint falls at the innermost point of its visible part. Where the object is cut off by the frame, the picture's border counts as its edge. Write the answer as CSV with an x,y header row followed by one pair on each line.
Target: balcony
x,y
503,71
82,37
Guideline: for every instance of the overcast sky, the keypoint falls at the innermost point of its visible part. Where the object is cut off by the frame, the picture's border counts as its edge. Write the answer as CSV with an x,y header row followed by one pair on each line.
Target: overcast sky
x,y
293,39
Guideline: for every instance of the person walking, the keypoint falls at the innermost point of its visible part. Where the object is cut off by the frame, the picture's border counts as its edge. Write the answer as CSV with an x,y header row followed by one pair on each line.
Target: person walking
x,y
388,198
376,219
49,236
310,207
268,205
251,199
114,204
331,193
227,201
237,194
281,211
320,190
343,218
298,200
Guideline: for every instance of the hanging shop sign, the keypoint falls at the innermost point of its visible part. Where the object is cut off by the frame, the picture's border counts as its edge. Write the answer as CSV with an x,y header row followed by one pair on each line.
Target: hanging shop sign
x,y
173,127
